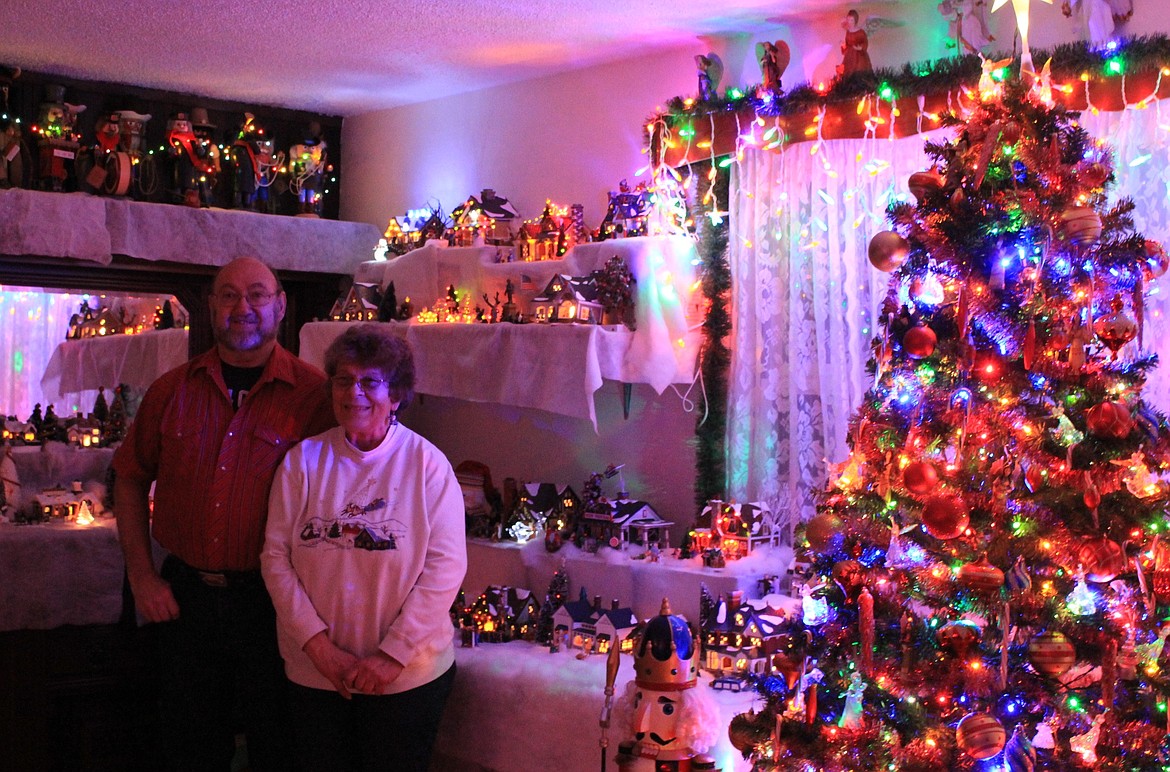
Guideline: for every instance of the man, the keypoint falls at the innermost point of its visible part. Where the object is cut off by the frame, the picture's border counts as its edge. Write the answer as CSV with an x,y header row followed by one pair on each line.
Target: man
x,y
210,435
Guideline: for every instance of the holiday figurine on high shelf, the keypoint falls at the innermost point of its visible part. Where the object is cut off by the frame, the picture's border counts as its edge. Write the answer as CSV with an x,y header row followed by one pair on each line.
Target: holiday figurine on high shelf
x,y
308,164
710,68
12,152
193,169
673,724
1098,19
57,141
773,59
855,49
968,25
256,166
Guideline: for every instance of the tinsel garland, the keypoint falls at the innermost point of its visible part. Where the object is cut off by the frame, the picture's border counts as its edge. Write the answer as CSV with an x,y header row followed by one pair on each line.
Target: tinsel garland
x,y
714,356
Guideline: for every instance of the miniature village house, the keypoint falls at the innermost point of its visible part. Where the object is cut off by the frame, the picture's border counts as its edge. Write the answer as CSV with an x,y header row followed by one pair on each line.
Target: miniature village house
x,y
359,304
622,522
742,636
737,529
84,432
488,218
568,299
557,506
501,614
592,629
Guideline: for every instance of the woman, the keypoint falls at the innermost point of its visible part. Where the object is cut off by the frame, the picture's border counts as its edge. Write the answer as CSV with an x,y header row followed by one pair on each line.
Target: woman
x,y
364,554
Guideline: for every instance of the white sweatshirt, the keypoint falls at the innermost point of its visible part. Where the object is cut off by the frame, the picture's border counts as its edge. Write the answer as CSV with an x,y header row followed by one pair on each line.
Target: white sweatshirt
x,y
370,546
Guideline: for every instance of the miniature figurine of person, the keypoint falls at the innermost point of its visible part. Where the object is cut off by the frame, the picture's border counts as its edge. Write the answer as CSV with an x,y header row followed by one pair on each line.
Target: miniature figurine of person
x,y
968,25
851,714
308,163
773,59
855,48
11,154
673,723
710,68
1098,18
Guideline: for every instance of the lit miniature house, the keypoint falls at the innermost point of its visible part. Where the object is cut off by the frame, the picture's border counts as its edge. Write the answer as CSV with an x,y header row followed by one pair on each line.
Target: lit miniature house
x,y
593,629
489,217
743,637
84,432
738,529
399,240
359,304
568,299
501,614
557,506
105,322
624,521
58,503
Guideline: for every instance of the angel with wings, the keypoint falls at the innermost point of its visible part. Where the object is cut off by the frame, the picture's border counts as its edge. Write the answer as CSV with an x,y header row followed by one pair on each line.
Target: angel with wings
x,y
710,68
773,59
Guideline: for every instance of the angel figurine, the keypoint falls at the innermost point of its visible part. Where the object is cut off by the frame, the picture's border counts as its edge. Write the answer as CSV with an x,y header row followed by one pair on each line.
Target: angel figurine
x,y
851,714
855,49
710,68
773,59
1086,744
968,25
1098,18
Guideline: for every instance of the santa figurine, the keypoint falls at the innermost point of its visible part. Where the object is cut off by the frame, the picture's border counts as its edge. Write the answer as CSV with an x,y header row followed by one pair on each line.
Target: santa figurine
x,y
672,723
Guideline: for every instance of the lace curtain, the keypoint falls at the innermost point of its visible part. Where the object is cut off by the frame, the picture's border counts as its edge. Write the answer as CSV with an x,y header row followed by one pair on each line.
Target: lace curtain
x,y
805,296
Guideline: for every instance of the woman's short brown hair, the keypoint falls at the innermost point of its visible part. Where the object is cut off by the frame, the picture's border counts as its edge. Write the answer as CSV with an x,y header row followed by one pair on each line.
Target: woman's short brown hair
x,y
374,346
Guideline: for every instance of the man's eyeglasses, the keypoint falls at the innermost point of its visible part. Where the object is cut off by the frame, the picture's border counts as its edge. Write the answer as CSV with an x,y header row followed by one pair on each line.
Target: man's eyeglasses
x,y
346,382
256,298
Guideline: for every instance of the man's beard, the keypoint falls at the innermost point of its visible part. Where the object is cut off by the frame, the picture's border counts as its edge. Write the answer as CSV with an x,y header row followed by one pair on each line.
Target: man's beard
x,y
245,339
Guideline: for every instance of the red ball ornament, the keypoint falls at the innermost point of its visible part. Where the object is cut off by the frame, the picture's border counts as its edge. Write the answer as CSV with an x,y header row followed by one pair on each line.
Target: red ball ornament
x,y
920,477
959,636
980,735
945,517
888,250
1103,559
1157,261
848,573
1082,225
1011,133
1051,653
919,342
981,576
1109,419
824,532
1115,328
923,183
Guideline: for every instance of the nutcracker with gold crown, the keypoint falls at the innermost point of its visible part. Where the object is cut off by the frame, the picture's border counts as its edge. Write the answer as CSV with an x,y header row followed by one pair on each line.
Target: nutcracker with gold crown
x,y
672,723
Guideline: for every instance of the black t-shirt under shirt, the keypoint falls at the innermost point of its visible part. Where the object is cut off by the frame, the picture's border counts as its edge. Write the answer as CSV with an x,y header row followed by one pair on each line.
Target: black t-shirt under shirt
x,y
239,381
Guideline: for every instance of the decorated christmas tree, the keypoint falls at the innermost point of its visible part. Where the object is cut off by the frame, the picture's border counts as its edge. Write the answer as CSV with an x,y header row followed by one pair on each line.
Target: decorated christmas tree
x,y
989,585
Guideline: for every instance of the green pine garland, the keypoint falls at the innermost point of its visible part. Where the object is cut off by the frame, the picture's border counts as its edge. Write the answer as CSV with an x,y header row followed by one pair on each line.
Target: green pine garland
x,y
714,357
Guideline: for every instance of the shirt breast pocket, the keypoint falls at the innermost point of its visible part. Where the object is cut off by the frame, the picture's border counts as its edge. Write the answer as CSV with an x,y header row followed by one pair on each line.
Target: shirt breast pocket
x,y
268,447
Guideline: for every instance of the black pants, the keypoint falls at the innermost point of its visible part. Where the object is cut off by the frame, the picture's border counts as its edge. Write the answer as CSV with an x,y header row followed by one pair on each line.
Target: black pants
x,y
390,732
221,671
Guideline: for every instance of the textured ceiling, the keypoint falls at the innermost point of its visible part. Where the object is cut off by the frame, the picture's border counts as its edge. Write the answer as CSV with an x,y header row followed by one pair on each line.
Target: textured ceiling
x,y
351,57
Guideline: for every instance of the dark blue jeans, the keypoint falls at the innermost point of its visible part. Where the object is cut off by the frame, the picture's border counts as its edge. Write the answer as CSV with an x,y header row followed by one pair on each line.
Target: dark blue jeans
x,y
221,672
386,733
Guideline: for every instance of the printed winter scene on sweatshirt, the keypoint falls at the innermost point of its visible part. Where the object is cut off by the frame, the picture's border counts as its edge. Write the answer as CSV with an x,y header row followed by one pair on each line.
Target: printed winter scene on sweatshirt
x,y
357,526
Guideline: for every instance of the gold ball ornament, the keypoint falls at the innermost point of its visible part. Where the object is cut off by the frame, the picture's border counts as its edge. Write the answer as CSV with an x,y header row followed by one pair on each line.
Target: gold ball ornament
x,y
1081,225
1103,559
888,250
945,517
747,730
919,342
825,531
1051,653
980,735
920,477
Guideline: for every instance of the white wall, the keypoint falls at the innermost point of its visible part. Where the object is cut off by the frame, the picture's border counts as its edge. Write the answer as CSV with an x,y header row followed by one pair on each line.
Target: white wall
x,y
571,138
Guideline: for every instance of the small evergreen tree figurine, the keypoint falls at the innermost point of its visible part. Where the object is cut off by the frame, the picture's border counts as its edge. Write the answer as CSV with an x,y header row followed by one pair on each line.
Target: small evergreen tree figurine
x,y
101,410
990,553
615,290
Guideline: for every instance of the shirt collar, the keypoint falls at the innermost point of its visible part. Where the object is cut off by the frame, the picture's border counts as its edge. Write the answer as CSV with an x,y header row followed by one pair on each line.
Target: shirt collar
x,y
279,366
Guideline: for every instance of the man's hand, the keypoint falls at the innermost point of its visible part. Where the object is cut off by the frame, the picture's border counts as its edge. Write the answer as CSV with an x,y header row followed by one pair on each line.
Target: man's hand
x,y
331,661
372,674
153,597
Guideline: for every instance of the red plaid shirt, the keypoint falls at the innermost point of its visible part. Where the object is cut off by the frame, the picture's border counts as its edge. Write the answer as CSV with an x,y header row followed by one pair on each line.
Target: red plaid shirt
x,y
213,464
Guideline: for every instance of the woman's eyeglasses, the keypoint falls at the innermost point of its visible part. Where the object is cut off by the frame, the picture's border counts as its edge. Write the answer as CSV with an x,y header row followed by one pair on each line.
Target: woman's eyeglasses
x,y
346,382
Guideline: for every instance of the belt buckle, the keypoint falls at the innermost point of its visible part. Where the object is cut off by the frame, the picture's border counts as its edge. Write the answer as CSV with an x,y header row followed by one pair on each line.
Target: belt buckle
x,y
213,579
